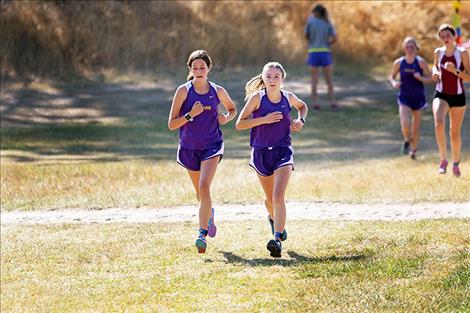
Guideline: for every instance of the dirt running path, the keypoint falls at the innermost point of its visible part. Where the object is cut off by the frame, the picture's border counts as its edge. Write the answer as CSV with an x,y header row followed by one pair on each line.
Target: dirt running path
x,y
295,211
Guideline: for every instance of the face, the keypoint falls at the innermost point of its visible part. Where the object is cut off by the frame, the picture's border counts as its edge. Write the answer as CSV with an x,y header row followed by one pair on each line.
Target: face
x,y
272,78
410,48
446,37
199,69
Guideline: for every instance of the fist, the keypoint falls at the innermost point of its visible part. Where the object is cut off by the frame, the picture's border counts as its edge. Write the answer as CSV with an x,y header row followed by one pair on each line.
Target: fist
x,y
196,109
273,117
450,66
296,125
222,119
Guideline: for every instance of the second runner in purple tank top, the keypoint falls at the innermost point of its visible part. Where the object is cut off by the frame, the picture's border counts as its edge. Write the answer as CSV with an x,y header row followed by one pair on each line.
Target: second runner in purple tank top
x,y
267,114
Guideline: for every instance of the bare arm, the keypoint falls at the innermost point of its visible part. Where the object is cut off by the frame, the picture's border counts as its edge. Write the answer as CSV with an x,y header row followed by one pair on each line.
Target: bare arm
x,y
426,77
436,72
245,121
174,120
393,74
229,105
302,111
465,74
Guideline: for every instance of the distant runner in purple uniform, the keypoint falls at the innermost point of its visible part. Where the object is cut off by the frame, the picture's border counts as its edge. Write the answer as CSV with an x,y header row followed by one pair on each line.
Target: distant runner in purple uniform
x,y
414,71
195,112
267,114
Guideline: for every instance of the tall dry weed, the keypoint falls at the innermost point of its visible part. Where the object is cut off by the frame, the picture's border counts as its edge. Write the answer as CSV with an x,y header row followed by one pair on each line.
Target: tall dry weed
x,y
62,38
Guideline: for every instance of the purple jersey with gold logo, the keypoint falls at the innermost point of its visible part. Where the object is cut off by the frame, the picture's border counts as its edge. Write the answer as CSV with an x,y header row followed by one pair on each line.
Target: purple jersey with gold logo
x,y
204,131
275,134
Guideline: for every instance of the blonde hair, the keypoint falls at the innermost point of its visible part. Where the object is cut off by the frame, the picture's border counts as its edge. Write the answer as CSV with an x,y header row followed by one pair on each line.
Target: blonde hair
x,y
256,83
410,39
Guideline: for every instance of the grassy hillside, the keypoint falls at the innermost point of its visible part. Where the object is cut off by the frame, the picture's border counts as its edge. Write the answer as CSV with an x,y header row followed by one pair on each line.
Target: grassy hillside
x,y
62,39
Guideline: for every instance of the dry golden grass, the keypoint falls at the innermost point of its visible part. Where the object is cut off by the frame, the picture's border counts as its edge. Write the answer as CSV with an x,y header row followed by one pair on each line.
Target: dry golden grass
x,y
65,38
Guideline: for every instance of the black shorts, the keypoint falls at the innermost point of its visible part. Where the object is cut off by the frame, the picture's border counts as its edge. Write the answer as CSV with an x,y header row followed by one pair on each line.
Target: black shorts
x,y
452,100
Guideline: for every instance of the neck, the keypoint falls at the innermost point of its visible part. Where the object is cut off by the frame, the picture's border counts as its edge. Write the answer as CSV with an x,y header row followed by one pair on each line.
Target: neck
x,y
410,57
274,94
450,48
200,84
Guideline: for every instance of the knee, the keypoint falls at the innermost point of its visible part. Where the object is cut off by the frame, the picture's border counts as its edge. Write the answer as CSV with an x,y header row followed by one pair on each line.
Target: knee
x,y
439,123
204,188
277,199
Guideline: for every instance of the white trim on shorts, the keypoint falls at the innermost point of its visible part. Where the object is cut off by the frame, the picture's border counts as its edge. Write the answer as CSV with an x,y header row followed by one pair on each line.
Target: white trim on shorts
x,y
421,108
219,152
288,162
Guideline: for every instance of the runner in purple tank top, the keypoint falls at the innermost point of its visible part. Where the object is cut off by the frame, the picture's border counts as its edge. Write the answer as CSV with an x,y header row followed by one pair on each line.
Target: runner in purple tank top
x,y
267,114
414,71
195,112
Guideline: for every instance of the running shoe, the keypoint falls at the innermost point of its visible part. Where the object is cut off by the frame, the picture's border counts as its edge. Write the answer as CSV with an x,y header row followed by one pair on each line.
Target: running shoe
x,y
405,148
443,167
275,247
456,171
211,225
201,243
413,154
334,107
284,233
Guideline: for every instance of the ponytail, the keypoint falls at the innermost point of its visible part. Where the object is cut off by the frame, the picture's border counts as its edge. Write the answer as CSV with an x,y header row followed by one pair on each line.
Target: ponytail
x,y
255,84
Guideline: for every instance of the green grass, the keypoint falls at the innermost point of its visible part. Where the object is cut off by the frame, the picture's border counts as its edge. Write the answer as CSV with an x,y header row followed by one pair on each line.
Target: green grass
x,y
125,156
326,266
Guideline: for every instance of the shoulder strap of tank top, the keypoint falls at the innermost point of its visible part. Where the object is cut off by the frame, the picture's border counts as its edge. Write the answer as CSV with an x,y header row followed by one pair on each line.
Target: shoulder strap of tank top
x,y
286,94
188,85
458,57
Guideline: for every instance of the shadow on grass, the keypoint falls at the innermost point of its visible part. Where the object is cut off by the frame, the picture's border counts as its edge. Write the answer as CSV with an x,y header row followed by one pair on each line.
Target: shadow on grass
x,y
295,259
104,122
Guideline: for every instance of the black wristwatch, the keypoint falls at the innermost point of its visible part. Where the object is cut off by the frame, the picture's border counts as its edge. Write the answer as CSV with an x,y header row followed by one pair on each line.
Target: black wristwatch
x,y
302,120
188,117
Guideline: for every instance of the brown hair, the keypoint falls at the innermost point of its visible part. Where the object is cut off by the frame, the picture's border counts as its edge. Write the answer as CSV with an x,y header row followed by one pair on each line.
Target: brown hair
x,y
321,11
445,27
198,54
256,83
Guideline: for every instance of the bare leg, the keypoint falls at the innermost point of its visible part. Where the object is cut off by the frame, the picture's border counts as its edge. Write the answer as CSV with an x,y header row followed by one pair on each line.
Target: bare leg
x,y
208,168
314,83
415,133
405,122
328,72
267,183
440,109
456,115
194,175
281,178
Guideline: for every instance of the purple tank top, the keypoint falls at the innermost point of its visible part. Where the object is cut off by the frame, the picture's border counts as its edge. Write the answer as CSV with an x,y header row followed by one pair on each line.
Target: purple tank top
x,y
276,134
410,86
204,131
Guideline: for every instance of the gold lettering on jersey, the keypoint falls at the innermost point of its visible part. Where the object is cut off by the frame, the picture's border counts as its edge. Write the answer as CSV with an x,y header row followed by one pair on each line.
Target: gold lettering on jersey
x,y
207,107
409,70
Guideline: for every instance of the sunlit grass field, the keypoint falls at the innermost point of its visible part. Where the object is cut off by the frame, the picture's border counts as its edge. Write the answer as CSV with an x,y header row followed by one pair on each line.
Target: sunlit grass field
x,y
421,266
105,144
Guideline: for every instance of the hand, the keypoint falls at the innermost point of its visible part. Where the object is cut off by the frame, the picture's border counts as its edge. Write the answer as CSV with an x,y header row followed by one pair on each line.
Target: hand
x,y
450,66
436,77
196,109
296,125
273,117
396,84
417,76
223,119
